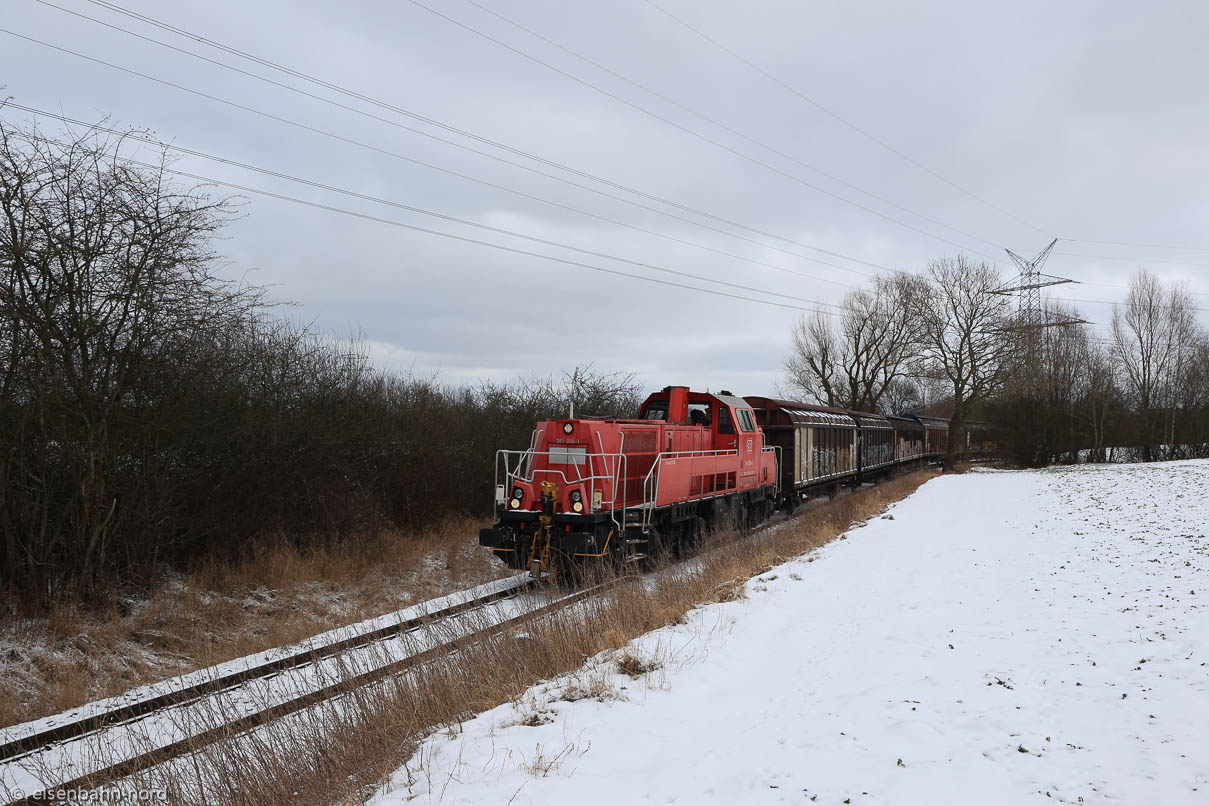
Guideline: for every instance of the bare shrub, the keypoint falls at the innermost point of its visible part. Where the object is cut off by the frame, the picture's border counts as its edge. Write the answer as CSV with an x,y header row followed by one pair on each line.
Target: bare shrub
x,y
633,665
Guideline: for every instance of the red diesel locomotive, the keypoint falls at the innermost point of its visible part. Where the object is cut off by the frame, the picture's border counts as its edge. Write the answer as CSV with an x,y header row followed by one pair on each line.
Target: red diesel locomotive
x,y
626,488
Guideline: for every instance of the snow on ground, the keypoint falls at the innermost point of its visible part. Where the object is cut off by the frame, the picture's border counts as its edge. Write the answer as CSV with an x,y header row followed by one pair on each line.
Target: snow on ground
x,y
998,637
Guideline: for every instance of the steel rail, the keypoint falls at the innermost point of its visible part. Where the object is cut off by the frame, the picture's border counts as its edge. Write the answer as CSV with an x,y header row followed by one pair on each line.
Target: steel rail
x,y
34,742
226,731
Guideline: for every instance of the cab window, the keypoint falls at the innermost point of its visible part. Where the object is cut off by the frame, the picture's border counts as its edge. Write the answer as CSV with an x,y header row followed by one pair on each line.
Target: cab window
x,y
725,426
655,411
745,420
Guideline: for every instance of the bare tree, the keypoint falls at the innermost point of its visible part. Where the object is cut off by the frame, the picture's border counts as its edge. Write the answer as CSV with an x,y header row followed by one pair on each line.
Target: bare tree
x,y
1154,338
1198,399
962,324
903,395
1101,399
855,362
1062,375
813,368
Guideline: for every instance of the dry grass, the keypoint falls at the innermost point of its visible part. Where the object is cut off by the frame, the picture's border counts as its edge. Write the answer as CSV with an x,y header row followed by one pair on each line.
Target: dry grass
x,y
343,751
635,666
223,611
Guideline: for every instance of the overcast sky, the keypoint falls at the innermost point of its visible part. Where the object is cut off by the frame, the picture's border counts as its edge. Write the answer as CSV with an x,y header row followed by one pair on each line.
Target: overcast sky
x,y
1032,120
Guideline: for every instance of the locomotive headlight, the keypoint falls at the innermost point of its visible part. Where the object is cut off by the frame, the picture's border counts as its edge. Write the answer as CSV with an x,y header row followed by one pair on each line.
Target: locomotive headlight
x,y
518,493
578,506
576,495
516,503
568,428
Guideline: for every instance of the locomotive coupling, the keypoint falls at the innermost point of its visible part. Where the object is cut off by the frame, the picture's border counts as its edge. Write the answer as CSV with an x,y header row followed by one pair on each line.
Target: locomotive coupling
x,y
549,498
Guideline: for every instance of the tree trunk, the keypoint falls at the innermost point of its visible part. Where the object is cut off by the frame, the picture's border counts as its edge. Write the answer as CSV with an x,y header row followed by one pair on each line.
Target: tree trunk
x,y
957,430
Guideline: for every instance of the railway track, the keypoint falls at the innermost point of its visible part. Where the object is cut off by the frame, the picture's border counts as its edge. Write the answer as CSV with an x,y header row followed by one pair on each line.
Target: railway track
x,y
14,749
60,739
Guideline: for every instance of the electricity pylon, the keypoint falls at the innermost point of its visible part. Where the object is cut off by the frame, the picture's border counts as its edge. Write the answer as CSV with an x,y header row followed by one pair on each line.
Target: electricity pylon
x,y
1030,315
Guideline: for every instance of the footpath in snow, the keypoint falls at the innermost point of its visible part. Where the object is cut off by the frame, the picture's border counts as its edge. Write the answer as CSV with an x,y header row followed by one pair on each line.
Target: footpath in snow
x,y
998,637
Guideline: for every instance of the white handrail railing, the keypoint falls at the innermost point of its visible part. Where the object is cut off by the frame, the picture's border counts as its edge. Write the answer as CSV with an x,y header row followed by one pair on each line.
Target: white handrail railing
x,y
651,484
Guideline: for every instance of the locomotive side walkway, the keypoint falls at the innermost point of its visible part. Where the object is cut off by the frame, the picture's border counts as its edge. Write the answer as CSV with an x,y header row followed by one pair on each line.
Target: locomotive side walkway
x,y
998,637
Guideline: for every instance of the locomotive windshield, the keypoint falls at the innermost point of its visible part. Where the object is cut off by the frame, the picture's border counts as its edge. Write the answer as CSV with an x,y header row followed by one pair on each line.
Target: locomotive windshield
x,y
745,420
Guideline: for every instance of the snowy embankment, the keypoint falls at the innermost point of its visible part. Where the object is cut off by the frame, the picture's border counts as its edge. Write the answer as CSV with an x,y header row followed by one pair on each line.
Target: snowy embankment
x,y
998,637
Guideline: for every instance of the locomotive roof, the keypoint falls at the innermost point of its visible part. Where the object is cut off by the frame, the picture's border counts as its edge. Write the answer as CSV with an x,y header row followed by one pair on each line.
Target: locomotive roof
x,y
731,400
722,397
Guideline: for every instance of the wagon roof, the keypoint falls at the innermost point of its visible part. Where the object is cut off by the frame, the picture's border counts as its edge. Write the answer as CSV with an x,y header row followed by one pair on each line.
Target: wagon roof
x,y
868,419
805,413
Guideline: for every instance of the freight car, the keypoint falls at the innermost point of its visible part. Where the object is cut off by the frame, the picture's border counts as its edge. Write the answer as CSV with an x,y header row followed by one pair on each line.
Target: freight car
x,y
824,449
909,439
614,490
622,489
936,437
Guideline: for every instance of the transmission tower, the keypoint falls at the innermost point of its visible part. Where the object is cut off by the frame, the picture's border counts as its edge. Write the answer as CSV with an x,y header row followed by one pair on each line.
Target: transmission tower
x,y
1031,317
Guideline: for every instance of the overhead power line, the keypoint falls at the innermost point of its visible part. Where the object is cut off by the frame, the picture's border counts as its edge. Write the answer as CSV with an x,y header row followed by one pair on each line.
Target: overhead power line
x,y
704,138
421,118
501,247
827,111
1137,260
512,191
1110,302
1145,245
369,99
312,79
454,219
715,122
457,145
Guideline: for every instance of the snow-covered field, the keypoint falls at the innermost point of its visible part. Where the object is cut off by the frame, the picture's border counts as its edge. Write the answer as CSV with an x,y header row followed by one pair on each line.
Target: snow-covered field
x,y
998,637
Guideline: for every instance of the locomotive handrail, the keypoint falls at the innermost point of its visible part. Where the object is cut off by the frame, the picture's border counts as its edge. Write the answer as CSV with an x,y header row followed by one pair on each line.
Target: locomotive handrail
x,y
650,497
524,471
617,476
